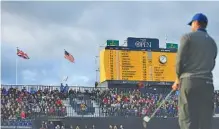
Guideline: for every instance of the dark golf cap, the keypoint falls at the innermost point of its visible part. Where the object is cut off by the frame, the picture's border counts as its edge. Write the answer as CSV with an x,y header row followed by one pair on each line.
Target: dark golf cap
x,y
199,17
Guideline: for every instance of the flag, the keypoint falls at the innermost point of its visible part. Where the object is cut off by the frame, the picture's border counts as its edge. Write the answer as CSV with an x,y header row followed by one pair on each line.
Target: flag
x,y
22,54
65,78
69,57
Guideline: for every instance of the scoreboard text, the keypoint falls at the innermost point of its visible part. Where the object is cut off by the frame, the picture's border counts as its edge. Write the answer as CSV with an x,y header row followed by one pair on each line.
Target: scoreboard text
x,y
137,65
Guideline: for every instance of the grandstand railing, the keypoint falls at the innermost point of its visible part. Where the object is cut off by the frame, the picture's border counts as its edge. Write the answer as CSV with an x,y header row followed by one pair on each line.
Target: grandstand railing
x,y
83,88
42,87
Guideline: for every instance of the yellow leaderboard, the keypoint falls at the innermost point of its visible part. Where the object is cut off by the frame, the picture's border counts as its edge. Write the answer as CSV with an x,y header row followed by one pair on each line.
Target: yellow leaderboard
x,y
137,65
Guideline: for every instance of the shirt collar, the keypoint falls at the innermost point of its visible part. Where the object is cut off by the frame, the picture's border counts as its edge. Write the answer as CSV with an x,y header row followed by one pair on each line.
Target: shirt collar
x,y
201,29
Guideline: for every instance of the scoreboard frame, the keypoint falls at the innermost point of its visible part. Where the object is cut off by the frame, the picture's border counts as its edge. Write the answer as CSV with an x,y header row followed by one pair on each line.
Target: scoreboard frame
x,y
160,54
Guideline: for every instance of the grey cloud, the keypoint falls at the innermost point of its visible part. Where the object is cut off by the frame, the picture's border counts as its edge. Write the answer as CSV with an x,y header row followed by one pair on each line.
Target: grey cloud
x,y
47,11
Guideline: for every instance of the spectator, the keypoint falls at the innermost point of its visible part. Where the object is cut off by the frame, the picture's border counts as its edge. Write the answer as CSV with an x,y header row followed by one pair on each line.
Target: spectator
x,y
62,88
66,88
23,115
51,125
57,127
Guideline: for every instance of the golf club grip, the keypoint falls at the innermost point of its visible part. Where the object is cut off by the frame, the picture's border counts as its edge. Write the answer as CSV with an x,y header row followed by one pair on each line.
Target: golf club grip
x,y
162,103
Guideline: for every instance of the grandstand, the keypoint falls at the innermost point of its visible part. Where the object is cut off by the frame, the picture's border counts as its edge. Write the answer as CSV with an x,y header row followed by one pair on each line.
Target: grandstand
x,y
24,106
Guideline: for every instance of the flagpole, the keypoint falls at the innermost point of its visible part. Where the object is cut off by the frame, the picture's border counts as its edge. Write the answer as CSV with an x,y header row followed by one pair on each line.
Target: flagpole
x,y
16,69
166,38
61,72
63,69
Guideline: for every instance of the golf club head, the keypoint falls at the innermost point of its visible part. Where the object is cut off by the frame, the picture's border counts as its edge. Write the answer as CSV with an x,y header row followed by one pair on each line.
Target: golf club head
x,y
146,119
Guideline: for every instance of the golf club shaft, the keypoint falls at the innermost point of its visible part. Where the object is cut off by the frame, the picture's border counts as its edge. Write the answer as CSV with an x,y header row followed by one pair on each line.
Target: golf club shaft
x,y
162,103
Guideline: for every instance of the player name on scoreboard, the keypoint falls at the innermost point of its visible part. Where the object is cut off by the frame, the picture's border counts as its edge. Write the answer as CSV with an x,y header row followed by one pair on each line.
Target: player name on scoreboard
x,y
137,65
131,67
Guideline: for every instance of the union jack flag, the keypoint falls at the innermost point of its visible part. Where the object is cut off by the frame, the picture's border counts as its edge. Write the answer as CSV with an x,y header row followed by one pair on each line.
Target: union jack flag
x,y
21,54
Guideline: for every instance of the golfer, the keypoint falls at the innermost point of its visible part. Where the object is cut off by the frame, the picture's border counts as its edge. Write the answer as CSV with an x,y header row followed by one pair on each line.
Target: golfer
x,y
195,61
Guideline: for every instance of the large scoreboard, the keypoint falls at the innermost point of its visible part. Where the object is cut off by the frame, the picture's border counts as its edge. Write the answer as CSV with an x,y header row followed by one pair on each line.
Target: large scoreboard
x,y
120,63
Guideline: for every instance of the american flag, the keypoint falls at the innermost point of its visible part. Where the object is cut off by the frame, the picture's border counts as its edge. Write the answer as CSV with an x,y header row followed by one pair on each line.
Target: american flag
x,y
22,54
69,57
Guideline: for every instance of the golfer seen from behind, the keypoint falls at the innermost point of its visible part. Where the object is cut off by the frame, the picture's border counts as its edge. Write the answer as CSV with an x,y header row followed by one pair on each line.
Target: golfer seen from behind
x,y
195,61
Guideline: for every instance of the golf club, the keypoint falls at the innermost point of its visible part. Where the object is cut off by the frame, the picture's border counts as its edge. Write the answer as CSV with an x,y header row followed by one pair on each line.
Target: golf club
x,y
146,119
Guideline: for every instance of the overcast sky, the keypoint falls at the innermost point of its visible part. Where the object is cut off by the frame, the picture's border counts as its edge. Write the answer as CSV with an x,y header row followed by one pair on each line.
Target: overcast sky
x,y
45,29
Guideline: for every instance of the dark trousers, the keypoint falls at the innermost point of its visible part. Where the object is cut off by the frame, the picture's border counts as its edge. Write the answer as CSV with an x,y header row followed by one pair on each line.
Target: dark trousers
x,y
196,103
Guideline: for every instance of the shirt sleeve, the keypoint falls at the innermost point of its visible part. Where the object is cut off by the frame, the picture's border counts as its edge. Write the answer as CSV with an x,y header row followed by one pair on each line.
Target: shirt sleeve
x,y
216,52
181,55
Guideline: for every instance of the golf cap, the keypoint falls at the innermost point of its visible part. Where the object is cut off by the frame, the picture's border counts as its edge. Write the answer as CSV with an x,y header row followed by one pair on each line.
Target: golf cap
x,y
199,17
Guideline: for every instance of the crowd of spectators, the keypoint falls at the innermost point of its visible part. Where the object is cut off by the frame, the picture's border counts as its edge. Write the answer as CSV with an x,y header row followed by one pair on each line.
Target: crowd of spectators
x,y
53,125
135,103
81,102
132,102
24,104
